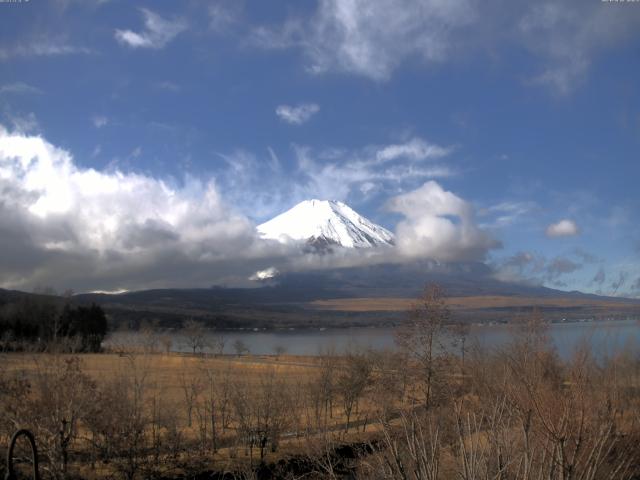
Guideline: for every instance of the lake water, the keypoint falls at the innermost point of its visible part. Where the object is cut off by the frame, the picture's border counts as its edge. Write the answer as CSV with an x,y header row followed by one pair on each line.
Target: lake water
x,y
606,337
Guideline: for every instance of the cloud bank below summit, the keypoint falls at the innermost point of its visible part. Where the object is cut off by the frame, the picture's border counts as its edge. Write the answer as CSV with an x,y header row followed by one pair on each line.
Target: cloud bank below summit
x,y
65,226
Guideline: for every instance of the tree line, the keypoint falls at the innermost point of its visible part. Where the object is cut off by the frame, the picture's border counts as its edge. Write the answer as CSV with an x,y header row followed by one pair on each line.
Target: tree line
x,y
45,321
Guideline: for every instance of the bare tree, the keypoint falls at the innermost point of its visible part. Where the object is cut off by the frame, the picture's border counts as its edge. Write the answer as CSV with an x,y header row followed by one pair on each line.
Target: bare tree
x,y
352,381
321,389
460,333
388,384
262,412
412,452
240,347
217,345
422,337
118,424
149,337
215,400
195,335
191,386
167,342
60,396
279,350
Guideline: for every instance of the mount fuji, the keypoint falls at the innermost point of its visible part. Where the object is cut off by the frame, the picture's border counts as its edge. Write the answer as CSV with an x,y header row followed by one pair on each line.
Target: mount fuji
x,y
322,224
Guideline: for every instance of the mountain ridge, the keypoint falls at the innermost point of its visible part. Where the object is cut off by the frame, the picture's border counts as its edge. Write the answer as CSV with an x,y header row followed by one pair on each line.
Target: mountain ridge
x,y
335,298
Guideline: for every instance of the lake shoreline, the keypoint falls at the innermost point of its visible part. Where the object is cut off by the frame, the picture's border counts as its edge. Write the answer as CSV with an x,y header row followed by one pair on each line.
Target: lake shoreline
x,y
606,336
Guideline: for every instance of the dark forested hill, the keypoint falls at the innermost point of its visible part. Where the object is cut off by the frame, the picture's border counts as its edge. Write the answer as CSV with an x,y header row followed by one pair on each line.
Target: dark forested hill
x,y
298,299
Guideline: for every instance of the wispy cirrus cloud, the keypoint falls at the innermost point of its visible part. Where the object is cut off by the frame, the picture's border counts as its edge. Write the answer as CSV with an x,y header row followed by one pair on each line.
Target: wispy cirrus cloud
x,y
566,37
297,114
339,173
41,47
370,38
99,121
157,32
373,38
224,14
167,86
22,122
265,184
19,88
414,149
506,213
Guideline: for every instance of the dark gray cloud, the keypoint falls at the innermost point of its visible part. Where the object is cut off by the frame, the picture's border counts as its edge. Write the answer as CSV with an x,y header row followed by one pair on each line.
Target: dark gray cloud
x,y
560,266
617,284
585,256
520,260
599,278
537,269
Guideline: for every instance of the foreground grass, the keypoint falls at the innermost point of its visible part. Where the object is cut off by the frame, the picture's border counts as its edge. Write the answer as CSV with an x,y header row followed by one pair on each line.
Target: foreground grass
x,y
179,399
519,413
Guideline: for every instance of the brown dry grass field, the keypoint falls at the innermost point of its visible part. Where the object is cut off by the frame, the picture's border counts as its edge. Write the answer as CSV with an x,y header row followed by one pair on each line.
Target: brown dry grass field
x,y
168,377
488,409
471,303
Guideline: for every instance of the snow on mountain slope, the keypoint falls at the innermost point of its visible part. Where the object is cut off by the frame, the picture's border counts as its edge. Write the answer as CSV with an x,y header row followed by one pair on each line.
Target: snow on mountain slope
x,y
324,223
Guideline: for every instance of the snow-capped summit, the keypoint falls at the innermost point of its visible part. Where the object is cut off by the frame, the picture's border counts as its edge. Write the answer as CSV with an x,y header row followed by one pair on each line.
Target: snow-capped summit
x,y
323,223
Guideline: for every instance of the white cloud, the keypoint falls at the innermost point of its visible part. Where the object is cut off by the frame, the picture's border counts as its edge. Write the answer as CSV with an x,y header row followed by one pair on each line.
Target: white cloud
x,y
63,4
41,48
299,114
66,226
24,123
157,33
507,213
414,149
100,121
223,14
373,38
71,227
438,225
563,228
266,274
168,86
19,88
264,186
566,36
337,173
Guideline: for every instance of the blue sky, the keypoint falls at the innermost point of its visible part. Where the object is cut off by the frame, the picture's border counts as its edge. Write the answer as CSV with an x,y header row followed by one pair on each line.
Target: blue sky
x,y
527,113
